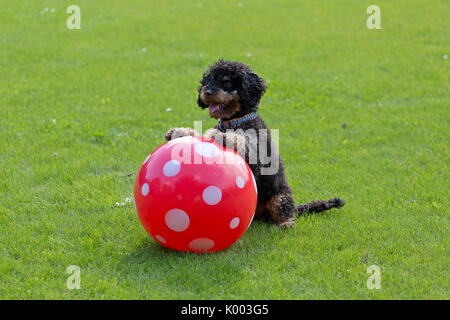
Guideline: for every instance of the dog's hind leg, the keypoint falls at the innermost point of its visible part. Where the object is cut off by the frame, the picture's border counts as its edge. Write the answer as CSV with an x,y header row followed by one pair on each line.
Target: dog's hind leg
x,y
280,209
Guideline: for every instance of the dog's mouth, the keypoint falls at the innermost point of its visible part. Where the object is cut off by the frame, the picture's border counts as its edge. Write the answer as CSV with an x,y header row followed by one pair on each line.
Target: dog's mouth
x,y
218,111
215,108
222,111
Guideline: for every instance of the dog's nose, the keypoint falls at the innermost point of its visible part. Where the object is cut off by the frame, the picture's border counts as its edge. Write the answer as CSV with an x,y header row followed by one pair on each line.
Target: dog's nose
x,y
208,92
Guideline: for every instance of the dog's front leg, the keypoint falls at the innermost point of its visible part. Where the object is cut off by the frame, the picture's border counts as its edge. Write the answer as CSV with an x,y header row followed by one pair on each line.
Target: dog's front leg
x,y
180,132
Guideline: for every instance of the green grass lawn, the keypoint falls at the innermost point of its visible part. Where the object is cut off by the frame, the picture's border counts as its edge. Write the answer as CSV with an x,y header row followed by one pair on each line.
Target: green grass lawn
x,y
81,109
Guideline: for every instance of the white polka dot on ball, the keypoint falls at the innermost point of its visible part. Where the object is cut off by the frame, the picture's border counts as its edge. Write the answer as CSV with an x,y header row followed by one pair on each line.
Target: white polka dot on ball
x,y
206,149
177,220
181,139
240,182
171,168
212,195
145,189
160,239
201,244
234,222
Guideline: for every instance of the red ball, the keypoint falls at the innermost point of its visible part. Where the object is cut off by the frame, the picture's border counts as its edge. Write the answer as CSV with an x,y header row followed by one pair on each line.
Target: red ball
x,y
192,194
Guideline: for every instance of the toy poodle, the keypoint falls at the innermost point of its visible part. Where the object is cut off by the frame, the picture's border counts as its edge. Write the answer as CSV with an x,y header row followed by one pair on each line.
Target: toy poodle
x,y
232,92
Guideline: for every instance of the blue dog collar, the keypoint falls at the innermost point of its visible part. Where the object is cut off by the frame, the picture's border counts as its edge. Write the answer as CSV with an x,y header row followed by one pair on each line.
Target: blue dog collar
x,y
233,123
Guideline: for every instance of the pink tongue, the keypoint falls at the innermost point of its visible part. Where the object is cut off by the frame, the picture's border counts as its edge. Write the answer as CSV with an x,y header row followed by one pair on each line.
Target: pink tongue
x,y
213,108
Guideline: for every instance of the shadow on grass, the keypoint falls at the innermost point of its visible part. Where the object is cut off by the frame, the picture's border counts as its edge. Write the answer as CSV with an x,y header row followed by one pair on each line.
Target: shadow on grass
x,y
192,275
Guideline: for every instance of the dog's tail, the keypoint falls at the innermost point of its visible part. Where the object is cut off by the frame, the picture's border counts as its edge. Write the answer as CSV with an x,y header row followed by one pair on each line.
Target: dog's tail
x,y
320,205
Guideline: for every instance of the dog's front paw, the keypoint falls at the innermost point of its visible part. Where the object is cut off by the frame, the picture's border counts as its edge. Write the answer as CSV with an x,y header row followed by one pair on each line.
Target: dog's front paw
x,y
170,134
212,133
179,132
230,140
289,223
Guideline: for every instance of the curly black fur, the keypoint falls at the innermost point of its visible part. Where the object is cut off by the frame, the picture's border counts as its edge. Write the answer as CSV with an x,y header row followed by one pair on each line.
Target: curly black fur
x,y
232,90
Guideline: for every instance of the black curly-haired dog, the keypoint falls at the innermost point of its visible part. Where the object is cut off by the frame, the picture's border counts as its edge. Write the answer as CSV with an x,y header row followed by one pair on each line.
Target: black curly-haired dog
x,y
231,92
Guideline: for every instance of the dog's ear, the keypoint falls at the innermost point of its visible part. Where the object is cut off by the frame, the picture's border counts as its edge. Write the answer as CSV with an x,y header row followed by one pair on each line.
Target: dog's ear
x,y
203,81
199,100
253,88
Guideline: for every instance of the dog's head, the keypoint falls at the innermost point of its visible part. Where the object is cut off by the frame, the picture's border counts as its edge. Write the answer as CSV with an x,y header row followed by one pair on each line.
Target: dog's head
x,y
230,89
